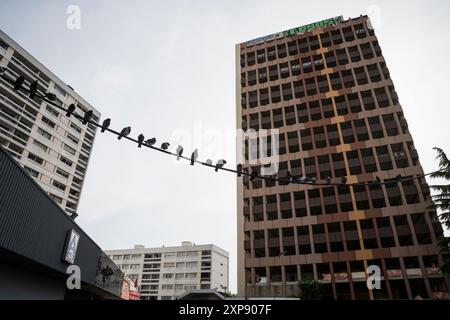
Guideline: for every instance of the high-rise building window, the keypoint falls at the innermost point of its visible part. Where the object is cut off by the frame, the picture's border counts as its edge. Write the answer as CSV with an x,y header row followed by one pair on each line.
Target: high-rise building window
x,y
69,149
32,172
56,198
75,127
72,138
59,185
52,111
62,173
35,158
40,145
65,161
48,122
45,134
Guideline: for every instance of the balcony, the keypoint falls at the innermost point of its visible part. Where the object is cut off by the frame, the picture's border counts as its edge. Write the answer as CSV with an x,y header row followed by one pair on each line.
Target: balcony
x,y
285,205
271,207
351,235
288,241
314,202
335,237
403,230
274,242
259,244
358,276
414,273
433,271
385,232
304,240
258,209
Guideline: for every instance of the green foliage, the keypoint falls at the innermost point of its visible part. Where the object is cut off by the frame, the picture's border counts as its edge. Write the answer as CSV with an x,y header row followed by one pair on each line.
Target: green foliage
x,y
310,290
440,202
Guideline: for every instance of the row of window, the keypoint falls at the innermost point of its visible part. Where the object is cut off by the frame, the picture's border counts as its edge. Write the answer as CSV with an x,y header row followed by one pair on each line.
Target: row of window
x,y
126,257
63,159
179,254
312,86
334,165
305,44
178,265
355,272
318,62
334,199
62,173
188,275
169,287
50,110
337,237
193,264
322,137
88,138
60,92
69,136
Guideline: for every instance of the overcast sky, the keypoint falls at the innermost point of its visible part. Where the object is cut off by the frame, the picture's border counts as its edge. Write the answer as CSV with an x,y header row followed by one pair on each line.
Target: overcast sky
x,y
168,67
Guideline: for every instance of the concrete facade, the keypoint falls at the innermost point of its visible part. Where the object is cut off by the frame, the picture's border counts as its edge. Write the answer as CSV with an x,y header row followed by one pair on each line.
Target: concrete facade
x,y
327,89
167,272
54,149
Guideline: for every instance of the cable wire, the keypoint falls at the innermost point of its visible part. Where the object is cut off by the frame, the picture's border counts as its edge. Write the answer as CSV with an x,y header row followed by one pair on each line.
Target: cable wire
x,y
18,86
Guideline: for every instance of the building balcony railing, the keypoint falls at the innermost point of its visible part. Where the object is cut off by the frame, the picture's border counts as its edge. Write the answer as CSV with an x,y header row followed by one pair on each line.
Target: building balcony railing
x,y
414,273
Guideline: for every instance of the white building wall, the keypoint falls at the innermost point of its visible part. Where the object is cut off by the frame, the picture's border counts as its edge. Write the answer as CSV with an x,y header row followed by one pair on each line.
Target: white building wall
x,y
22,121
182,263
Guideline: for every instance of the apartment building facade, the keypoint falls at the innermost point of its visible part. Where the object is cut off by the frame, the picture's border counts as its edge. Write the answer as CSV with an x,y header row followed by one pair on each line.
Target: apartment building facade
x,y
53,148
167,272
327,89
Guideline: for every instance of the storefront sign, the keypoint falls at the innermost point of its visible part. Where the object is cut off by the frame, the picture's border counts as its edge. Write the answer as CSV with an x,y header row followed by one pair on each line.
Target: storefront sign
x,y
312,26
264,39
294,31
70,249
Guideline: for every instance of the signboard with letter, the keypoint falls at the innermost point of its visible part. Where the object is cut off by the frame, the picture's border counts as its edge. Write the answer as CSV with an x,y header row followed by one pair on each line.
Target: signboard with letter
x,y
70,249
312,26
309,27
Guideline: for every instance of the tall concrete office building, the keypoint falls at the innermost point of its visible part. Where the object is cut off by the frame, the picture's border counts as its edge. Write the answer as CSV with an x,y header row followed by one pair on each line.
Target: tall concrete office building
x,y
326,87
166,273
54,149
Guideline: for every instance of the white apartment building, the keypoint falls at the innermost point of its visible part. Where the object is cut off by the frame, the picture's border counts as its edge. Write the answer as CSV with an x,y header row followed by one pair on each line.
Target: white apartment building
x,y
167,272
54,149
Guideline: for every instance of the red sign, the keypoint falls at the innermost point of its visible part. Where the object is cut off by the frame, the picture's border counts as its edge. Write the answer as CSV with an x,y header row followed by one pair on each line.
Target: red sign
x,y
326,277
341,276
396,273
135,295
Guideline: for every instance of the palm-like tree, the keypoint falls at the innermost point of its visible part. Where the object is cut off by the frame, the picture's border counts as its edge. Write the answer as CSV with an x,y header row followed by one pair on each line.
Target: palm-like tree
x,y
441,202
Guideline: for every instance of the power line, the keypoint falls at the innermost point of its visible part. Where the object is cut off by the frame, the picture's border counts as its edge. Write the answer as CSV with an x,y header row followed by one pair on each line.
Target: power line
x,y
49,98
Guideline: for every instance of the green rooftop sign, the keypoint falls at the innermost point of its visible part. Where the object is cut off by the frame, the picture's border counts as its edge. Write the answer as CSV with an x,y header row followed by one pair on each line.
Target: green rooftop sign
x,y
302,29
312,26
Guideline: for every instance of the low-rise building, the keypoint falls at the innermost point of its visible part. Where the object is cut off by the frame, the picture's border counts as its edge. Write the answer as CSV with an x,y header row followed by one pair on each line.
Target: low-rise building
x,y
167,272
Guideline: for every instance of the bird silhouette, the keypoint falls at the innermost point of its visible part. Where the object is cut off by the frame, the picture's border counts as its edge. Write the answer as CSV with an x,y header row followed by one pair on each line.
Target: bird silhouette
x,y
194,156
106,124
125,132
